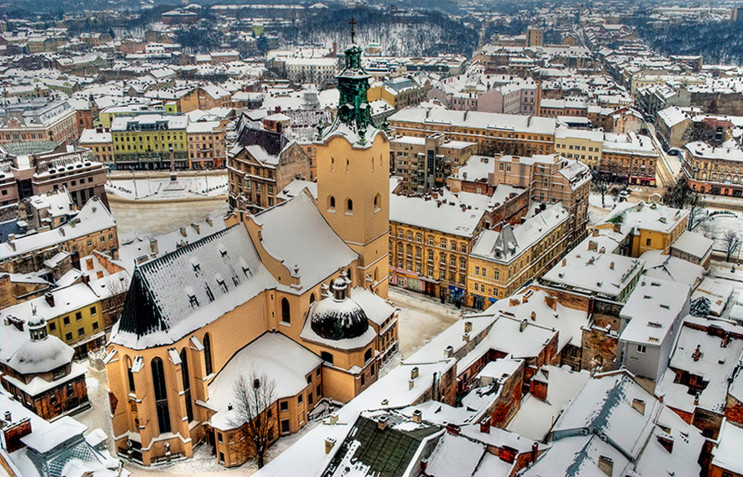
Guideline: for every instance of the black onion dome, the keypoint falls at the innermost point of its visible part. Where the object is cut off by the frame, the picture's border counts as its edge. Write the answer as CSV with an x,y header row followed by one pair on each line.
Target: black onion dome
x,y
338,317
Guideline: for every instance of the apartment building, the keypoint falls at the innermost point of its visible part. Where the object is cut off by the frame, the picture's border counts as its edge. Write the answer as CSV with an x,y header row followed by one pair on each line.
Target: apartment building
x,y
550,179
630,157
425,162
493,132
37,119
585,146
714,170
503,260
206,144
146,141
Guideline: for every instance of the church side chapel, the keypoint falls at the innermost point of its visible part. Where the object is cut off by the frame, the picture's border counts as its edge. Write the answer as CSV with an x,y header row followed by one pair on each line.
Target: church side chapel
x,y
295,294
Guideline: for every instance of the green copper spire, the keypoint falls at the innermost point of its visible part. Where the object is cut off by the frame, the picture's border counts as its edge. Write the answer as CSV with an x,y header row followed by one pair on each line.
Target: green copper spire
x,y
353,83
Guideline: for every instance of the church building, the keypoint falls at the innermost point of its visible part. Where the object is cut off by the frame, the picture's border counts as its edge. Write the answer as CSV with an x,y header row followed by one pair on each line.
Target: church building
x,y
296,294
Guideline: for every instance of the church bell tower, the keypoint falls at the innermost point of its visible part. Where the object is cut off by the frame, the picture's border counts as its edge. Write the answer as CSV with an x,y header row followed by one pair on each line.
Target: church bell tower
x,y
353,176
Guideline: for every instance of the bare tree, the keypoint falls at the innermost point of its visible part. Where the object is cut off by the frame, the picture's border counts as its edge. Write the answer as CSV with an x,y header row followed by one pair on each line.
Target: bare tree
x,y
731,241
254,395
681,196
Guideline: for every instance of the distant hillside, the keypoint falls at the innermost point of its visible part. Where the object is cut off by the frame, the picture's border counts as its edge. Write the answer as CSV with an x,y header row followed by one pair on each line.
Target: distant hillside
x,y
717,42
399,32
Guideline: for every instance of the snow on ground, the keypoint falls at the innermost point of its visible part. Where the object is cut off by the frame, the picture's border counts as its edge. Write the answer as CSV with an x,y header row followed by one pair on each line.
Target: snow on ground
x,y
594,200
97,417
717,225
421,318
154,188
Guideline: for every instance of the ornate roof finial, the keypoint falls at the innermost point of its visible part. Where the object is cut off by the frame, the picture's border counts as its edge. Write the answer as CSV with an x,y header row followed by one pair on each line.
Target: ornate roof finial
x,y
353,24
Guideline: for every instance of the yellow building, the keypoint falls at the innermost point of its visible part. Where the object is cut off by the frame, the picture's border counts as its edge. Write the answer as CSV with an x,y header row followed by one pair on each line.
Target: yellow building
x,y
586,146
295,293
146,141
73,314
107,115
502,261
430,242
647,226
353,168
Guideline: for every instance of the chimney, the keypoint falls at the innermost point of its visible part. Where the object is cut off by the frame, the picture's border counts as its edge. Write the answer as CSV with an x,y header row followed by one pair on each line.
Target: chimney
x,y
522,326
592,246
382,422
564,261
183,231
533,316
153,246
534,451
725,340
8,416
453,429
195,227
467,326
639,406
666,441
485,426
424,466
449,351
329,444
333,419
611,266
606,465
414,372
49,299
209,221
551,301
466,337
417,416
697,353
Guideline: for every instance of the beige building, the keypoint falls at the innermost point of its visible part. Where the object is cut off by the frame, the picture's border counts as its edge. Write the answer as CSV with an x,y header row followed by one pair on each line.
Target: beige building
x,y
550,179
295,293
206,144
493,132
260,166
425,163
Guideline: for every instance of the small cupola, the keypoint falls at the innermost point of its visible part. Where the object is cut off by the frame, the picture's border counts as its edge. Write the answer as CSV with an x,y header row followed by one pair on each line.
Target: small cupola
x,y
340,289
37,329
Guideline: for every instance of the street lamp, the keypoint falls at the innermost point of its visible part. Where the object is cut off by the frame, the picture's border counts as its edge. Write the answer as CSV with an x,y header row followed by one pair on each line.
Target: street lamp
x,y
134,182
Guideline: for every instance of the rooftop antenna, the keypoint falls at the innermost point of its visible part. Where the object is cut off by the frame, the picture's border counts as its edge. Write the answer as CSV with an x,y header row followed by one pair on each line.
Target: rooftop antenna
x,y
353,24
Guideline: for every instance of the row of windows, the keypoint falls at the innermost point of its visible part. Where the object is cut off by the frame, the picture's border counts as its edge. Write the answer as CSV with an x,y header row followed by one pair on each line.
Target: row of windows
x,y
442,243
129,138
349,204
78,317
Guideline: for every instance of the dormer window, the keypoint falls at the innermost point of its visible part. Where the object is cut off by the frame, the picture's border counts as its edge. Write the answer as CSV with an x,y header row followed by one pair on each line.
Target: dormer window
x,y
196,266
222,284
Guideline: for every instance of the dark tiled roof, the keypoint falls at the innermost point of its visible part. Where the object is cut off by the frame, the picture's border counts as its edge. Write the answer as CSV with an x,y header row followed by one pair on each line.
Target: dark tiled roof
x,y
272,142
382,452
